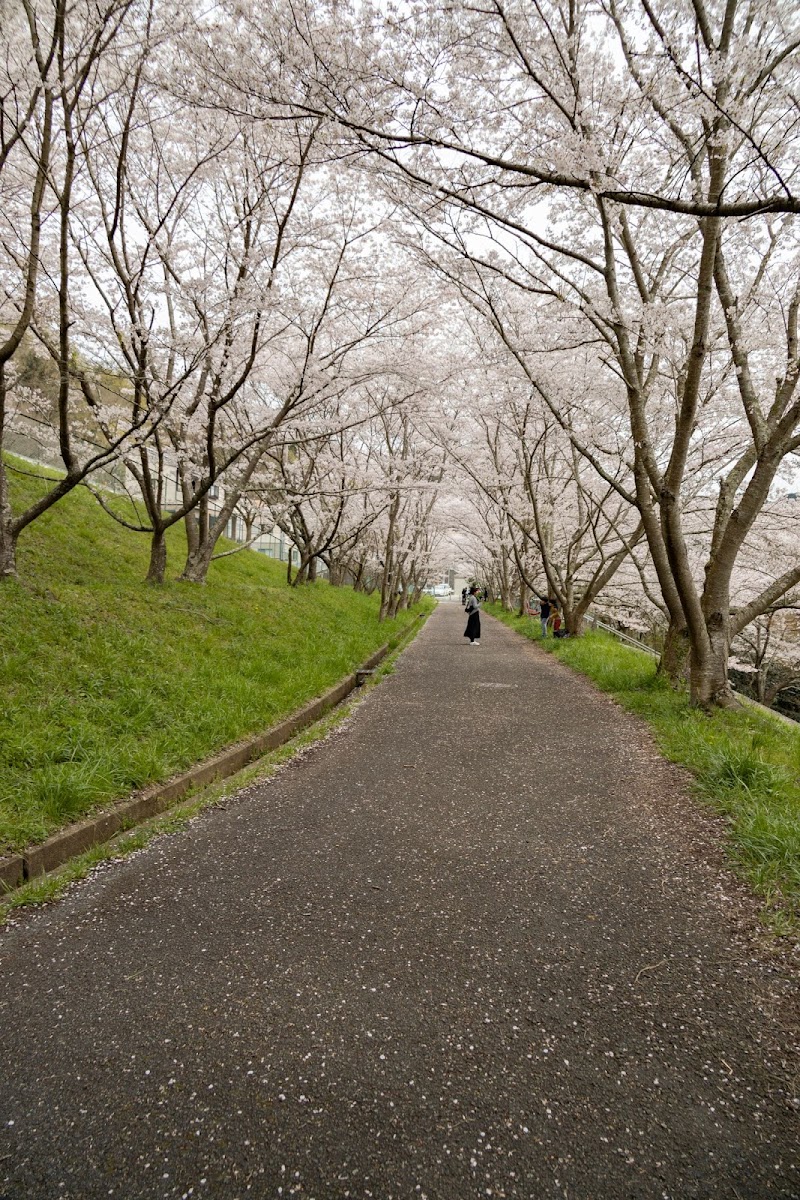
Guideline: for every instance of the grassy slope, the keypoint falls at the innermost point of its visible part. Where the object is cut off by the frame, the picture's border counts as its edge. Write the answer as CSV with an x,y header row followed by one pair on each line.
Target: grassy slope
x,y
746,763
107,684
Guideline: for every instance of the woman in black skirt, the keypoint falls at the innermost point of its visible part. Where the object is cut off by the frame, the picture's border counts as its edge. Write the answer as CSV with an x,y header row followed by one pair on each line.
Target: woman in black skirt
x,y
472,609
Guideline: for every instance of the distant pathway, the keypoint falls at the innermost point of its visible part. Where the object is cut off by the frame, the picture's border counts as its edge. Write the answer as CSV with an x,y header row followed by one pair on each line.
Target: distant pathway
x,y
474,945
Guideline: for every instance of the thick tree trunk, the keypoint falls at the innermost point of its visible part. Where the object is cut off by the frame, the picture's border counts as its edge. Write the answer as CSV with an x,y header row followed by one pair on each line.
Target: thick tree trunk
x,y
198,560
674,661
710,686
158,557
573,621
202,535
709,683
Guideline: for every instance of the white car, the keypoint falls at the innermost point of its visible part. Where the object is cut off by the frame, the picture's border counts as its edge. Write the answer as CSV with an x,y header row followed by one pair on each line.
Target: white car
x,y
442,589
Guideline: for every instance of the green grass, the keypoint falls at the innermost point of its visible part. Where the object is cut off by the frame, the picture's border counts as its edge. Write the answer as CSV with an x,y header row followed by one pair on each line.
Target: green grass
x,y
746,763
53,885
108,684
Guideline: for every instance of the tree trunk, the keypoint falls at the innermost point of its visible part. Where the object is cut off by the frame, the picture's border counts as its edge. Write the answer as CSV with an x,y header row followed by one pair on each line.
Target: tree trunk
x,y
8,552
198,560
709,683
674,661
710,686
8,540
335,573
158,557
302,575
192,526
573,621
505,590
388,559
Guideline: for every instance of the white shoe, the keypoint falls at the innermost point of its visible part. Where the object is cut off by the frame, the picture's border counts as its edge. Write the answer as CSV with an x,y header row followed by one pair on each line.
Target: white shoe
x,y
476,642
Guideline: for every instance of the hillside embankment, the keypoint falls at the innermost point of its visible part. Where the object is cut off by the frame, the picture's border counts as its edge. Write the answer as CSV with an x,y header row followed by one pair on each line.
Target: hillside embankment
x,y
108,684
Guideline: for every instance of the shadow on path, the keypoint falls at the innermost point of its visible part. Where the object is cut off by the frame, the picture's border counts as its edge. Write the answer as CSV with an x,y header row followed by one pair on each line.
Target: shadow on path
x,y
472,945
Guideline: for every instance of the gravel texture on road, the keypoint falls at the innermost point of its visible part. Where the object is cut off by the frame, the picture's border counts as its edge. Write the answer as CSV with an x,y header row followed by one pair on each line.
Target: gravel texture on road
x,y
477,943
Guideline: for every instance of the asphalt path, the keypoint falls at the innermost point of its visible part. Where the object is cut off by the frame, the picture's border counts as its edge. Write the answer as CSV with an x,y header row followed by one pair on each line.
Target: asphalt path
x,y
477,943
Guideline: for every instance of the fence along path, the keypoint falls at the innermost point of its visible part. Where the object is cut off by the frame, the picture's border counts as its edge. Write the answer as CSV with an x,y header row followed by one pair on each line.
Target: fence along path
x,y
477,943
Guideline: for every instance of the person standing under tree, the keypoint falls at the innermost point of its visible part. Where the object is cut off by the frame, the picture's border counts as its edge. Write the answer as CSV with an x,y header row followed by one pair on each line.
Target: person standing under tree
x,y
472,609
546,606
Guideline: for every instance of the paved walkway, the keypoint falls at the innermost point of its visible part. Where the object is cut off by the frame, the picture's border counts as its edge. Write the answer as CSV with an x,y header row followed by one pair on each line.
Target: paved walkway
x,y
473,945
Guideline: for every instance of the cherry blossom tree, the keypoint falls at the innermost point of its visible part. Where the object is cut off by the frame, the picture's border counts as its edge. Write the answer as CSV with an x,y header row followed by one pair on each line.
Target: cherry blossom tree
x,y
323,501
61,66
695,112
187,230
568,531
345,326
652,127
608,187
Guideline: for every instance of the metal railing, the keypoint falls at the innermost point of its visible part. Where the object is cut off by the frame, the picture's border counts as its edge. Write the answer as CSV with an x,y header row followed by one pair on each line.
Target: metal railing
x,y
623,637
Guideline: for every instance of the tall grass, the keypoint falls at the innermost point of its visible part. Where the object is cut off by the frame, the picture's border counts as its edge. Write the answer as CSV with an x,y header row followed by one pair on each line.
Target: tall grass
x,y
108,684
746,764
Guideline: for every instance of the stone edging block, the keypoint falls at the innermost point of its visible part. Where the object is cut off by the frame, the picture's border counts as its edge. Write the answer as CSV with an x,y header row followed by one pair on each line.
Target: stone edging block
x,y
38,860
12,872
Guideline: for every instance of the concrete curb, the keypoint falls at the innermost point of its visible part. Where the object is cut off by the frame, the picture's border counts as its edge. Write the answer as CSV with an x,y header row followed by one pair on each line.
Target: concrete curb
x,y
12,872
38,860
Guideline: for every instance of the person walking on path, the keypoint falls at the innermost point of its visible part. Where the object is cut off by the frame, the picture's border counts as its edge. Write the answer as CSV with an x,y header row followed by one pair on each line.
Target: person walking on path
x,y
472,609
